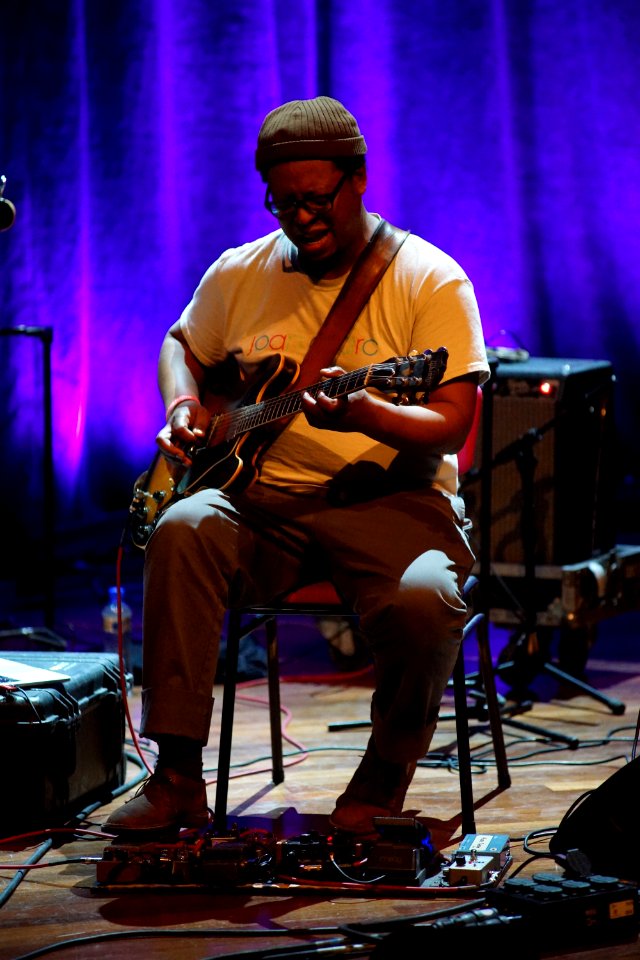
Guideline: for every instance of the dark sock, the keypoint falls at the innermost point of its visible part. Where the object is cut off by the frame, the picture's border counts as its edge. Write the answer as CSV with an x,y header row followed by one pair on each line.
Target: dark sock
x,y
181,754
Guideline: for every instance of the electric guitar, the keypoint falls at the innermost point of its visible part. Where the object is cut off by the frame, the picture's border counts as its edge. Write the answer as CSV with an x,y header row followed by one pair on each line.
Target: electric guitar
x,y
238,434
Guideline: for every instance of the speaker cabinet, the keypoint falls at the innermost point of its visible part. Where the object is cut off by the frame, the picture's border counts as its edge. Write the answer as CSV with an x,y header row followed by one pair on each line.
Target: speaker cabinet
x,y
561,411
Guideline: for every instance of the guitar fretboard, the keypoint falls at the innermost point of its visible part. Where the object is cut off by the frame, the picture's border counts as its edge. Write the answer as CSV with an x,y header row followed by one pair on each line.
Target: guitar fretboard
x,y
234,423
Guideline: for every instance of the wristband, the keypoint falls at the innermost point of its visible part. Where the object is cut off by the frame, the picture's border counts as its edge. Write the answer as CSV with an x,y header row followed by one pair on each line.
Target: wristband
x,y
178,400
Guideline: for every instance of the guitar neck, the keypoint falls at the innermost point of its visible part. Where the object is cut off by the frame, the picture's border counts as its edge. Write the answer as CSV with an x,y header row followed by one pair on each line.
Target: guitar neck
x,y
234,423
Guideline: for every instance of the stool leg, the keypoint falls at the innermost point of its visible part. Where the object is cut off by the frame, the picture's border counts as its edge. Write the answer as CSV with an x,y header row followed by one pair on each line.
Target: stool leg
x,y
464,751
226,722
275,721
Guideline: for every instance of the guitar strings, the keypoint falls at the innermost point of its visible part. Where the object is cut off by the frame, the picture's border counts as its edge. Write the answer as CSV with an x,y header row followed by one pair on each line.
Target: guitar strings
x,y
233,423
236,422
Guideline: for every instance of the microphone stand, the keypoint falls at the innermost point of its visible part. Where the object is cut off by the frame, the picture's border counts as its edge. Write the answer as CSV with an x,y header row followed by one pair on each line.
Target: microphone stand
x,y
521,451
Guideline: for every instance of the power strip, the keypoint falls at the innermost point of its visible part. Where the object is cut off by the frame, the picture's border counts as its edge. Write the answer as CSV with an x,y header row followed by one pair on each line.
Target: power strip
x,y
571,911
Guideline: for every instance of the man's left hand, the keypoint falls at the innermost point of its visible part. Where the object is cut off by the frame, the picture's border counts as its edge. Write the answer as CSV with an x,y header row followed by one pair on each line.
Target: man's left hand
x,y
344,414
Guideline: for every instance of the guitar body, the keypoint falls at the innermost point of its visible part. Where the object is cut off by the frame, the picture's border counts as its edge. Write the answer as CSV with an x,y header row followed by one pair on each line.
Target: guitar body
x,y
227,463
240,431
223,463
152,492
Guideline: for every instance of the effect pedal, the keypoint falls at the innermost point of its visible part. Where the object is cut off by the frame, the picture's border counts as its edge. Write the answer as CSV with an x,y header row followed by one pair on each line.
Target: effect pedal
x,y
479,857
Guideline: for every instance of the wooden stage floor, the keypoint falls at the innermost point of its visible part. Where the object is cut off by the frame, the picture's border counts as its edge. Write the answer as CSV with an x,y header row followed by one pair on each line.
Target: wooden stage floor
x,y
58,909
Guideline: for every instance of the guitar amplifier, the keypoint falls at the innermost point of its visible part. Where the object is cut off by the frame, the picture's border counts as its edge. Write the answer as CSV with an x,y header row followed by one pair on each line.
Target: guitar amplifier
x,y
562,409
62,744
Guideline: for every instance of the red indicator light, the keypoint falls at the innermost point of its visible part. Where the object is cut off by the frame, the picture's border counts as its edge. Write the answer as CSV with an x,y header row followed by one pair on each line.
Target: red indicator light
x,y
546,388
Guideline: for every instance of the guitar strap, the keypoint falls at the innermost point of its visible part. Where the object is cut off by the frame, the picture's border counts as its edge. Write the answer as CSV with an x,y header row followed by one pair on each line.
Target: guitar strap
x,y
363,278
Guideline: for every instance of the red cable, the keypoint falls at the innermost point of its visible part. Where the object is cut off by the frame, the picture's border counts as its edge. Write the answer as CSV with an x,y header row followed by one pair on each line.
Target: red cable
x,y
47,831
123,680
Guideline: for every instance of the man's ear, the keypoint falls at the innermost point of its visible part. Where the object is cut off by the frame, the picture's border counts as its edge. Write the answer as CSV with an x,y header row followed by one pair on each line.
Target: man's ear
x,y
359,179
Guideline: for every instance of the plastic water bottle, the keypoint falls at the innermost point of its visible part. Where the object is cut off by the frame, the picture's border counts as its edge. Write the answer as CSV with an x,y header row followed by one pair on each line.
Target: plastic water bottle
x,y
110,624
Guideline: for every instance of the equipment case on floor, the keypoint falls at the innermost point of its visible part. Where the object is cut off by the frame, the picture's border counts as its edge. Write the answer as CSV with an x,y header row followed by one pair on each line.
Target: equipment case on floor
x,y
62,745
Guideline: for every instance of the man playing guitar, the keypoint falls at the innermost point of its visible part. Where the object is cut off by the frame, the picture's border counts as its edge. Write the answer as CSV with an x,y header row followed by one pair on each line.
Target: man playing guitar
x,y
357,487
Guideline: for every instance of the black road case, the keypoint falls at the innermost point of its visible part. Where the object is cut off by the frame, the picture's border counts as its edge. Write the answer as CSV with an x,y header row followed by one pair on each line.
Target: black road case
x,y
62,745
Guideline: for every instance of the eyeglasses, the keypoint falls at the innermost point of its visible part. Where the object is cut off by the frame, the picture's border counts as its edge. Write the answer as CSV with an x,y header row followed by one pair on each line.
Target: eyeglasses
x,y
314,203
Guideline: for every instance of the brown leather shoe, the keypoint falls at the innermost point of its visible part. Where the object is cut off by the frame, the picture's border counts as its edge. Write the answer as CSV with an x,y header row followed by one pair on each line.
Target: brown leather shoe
x,y
166,800
377,789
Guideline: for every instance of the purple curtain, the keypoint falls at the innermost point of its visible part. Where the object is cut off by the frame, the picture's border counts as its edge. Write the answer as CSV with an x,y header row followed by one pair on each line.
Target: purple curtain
x,y
507,133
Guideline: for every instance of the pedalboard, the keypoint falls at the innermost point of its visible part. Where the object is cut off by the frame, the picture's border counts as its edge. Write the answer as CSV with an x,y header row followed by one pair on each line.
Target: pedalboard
x,y
402,855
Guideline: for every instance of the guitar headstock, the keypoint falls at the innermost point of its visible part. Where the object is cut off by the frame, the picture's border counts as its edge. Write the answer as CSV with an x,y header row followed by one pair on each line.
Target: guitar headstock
x,y
411,379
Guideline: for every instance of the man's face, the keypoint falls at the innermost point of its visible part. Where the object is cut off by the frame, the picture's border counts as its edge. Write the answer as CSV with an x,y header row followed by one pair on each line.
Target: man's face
x,y
322,236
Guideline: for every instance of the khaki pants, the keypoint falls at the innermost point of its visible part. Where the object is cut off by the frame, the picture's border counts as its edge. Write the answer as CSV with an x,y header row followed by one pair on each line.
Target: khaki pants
x,y
400,560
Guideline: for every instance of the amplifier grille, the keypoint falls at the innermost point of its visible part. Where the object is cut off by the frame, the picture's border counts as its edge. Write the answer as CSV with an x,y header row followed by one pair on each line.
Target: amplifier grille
x,y
567,406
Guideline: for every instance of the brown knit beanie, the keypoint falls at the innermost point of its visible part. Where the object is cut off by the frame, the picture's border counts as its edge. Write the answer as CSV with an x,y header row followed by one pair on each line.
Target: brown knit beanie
x,y
319,129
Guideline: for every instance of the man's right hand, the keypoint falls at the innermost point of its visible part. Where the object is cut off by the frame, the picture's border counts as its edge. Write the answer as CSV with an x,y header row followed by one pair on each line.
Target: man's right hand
x,y
184,429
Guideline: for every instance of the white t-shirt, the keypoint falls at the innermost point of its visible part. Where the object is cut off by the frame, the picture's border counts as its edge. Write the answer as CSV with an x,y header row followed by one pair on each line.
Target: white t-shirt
x,y
254,303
